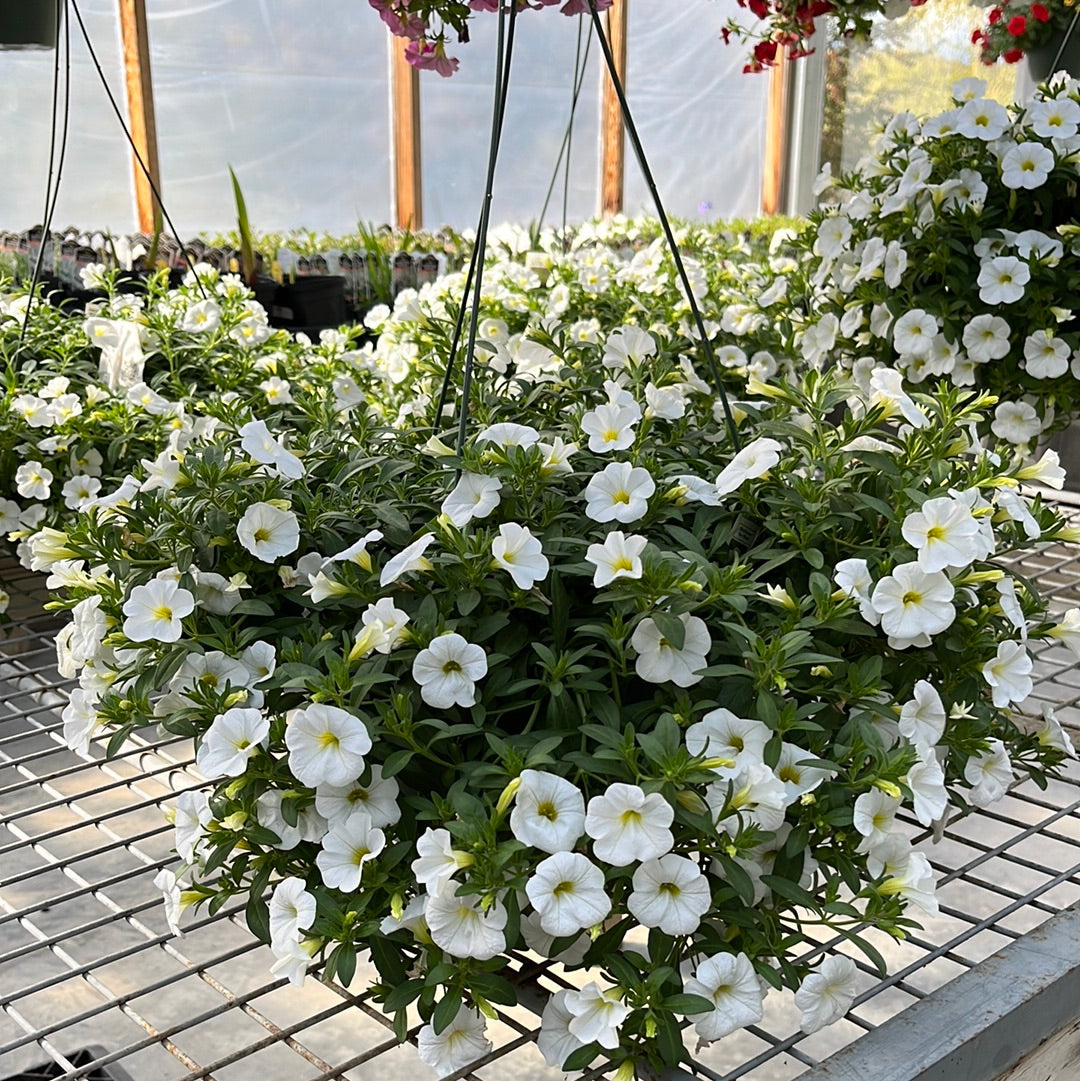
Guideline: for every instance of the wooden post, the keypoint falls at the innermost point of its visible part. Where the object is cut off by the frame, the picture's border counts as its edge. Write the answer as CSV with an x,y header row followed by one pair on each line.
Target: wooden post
x,y
773,167
405,118
612,137
140,96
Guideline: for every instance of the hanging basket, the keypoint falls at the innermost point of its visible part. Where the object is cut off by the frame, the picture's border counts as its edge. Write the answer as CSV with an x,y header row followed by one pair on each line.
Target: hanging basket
x,y
1040,59
28,24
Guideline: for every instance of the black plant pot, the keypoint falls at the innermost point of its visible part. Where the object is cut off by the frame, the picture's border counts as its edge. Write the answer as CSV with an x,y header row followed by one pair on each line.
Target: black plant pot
x,y
28,24
1040,59
318,301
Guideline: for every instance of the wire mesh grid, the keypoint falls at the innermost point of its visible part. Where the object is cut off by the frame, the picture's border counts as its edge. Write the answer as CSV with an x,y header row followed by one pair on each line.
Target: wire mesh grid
x,y
93,985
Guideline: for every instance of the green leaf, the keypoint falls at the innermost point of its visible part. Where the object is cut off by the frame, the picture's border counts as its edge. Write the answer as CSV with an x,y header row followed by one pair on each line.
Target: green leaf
x,y
670,627
688,1004
257,915
403,994
446,1010
247,251
581,1058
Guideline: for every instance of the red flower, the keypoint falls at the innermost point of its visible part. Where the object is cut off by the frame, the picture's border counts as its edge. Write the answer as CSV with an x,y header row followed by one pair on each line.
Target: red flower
x,y
1013,56
994,17
765,53
1017,25
759,7
1039,13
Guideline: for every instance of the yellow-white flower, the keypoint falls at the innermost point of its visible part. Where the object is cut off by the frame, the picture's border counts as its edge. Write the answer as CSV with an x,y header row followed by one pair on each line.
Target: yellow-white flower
x,y
268,532
827,993
345,850
460,1044
520,554
729,981
567,891
618,557
447,671
153,612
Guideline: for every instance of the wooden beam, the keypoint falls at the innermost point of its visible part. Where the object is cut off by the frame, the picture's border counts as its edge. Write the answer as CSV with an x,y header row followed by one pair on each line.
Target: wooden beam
x,y
405,119
140,96
776,137
612,136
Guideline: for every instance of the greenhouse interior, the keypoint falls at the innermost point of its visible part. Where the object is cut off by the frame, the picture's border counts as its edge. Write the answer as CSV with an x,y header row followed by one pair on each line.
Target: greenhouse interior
x,y
527,553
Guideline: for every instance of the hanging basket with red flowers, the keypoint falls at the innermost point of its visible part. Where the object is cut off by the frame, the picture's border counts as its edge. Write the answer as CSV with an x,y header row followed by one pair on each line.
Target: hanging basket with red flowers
x,y
1015,27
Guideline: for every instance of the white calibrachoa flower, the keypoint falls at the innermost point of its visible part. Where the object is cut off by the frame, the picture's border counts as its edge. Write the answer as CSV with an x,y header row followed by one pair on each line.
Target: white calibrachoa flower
x,y
191,814
989,774
460,1044
596,1014
922,719
619,493
474,496
520,554
729,981
721,734
268,532
292,908
874,814
1002,279
626,825
437,860
945,534
326,745
345,850
153,612
408,559
670,893
1026,165
379,797
549,812
611,427
914,603
618,557
567,891
926,779
1009,674
555,1041
462,927
256,440
33,480
447,671
753,461
658,661
827,993
1068,631
230,741
1016,422
907,873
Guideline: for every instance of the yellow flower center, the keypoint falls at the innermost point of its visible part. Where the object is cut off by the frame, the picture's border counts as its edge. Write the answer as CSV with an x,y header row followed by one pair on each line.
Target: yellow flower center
x,y
547,810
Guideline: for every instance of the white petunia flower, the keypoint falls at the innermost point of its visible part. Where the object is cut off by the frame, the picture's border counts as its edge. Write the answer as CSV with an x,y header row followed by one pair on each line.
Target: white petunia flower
x,y
618,557
1009,674
926,779
191,814
437,860
80,717
907,874
873,817
611,427
33,480
292,909
202,317
268,532
753,461
852,577
460,1044
729,981
755,795
232,738
888,394
670,893
913,333
720,734
620,493
379,797
922,720
1002,279
345,850
945,534
567,891
658,661
166,881
539,941
293,959
257,442
1053,735
508,434
1046,356
1067,632
555,1041
326,745
986,338
520,554
798,778
628,345
447,671
1016,422
1026,166
153,612
549,812
1047,471
596,1014
557,456
627,825
989,774
981,118
461,927
914,602
408,559
474,496
827,993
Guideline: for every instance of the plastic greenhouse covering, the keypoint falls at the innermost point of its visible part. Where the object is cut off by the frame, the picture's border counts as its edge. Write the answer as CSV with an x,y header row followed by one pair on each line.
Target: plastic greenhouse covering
x,y
295,96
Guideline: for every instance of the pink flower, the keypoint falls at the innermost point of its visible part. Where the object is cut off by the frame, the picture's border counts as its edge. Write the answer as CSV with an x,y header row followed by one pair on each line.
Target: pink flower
x,y
430,56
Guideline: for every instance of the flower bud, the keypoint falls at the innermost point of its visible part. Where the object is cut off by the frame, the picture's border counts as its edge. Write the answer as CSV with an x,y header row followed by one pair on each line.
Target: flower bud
x,y
889,788
507,797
